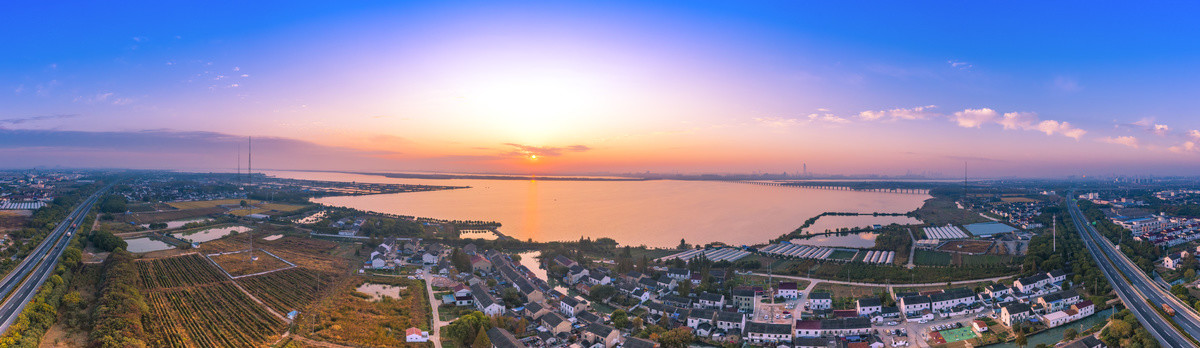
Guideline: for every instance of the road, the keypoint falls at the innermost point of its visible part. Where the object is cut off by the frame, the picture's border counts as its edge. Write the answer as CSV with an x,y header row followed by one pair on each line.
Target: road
x,y
1137,288
882,285
21,285
435,335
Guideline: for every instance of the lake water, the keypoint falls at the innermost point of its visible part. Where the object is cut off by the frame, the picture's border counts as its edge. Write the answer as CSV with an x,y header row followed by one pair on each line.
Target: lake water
x,y
864,240
652,213
1052,336
144,245
210,234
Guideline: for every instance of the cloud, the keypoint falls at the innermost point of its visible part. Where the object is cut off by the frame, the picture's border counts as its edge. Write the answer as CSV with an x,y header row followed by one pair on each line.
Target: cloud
x,y
519,150
785,122
1018,120
22,120
167,149
777,122
1161,129
977,118
1066,84
974,118
1195,134
960,65
1129,141
1186,147
1052,127
917,113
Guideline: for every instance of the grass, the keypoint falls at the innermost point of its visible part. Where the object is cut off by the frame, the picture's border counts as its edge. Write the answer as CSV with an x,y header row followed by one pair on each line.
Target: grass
x,y
931,258
941,211
852,291
973,260
959,334
208,204
349,317
1017,200
841,255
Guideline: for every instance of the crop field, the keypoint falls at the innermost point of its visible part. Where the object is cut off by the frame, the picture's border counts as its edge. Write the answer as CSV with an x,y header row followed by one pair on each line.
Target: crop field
x,y
350,317
171,215
841,255
311,253
214,315
209,204
966,246
288,290
187,270
931,258
972,260
240,264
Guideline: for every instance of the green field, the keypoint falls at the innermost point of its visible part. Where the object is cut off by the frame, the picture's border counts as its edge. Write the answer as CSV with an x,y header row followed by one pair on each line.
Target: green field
x,y
959,334
841,255
931,258
975,260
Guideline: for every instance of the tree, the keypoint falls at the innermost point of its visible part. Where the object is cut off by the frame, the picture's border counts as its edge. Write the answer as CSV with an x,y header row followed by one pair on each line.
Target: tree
x,y
685,287
481,339
676,338
1190,274
603,291
683,244
1070,334
243,203
1021,341
620,319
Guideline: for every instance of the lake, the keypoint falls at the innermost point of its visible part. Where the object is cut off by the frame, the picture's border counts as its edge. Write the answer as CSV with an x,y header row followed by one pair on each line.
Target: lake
x,y
653,213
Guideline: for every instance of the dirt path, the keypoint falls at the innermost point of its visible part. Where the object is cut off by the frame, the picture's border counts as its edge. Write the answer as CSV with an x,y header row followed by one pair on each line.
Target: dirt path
x,y
436,322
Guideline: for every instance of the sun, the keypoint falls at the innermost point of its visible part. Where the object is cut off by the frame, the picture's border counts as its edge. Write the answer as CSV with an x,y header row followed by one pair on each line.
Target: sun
x,y
532,157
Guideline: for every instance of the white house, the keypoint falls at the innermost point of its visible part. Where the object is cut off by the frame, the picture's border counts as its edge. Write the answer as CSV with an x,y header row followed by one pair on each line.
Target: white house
x,y
416,335
868,306
787,290
819,300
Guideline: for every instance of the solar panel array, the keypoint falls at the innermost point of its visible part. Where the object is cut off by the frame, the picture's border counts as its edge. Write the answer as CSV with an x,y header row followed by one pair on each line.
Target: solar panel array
x,y
945,232
797,251
723,254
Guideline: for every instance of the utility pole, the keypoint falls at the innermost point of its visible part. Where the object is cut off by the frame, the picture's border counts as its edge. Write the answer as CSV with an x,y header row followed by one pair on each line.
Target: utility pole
x,y
1054,231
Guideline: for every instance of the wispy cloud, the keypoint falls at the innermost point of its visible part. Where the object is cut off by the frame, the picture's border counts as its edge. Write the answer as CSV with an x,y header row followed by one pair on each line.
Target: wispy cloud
x,y
917,113
960,64
1186,147
1066,84
520,150
1127,140
1161,129
23,120
787,122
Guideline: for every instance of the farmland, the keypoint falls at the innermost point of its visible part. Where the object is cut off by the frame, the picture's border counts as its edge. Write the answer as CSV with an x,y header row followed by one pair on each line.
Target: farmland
x,y
214,315
171,215
187,270
931,258
240,264
314,254
287,290
209,204
350,317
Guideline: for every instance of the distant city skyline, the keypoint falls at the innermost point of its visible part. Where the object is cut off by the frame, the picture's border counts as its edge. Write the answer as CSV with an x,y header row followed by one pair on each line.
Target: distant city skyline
x,y
1014,89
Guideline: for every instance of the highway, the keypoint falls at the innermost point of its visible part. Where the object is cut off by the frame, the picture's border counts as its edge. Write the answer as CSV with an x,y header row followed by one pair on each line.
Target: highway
x,y
1137,288
22,284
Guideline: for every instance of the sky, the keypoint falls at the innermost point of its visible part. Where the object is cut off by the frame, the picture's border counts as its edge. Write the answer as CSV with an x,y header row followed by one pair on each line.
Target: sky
x,y
1012,89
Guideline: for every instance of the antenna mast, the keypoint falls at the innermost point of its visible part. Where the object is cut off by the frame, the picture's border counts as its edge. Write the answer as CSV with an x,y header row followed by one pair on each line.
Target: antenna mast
x,y
250,159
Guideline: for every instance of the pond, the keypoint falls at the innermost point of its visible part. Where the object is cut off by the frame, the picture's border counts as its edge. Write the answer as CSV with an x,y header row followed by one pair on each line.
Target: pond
x,y
209,234
863,240
312,219
180,223
530,261
144,245
379,291
273,237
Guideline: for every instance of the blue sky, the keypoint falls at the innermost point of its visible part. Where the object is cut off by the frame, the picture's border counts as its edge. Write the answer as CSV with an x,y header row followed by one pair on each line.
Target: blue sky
x,y
1021,88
